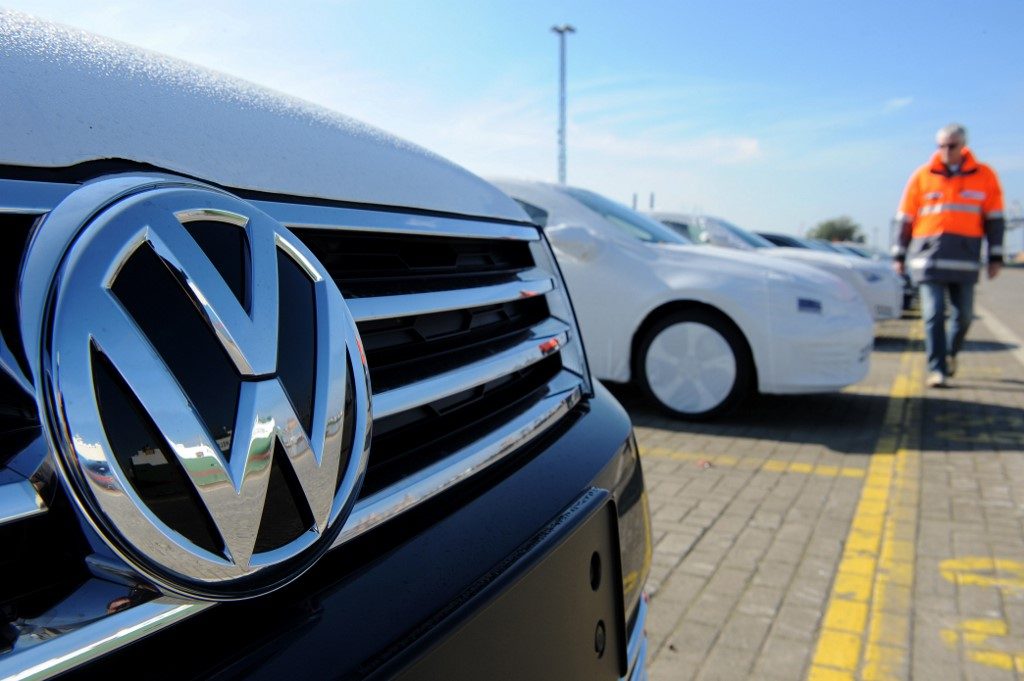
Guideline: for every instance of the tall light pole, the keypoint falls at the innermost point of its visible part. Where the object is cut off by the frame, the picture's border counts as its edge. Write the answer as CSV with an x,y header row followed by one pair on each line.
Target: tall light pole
x,y
561,31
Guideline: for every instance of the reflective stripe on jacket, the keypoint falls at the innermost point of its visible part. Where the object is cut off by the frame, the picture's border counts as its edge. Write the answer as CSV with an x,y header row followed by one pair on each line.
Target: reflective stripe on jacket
x,y
943,218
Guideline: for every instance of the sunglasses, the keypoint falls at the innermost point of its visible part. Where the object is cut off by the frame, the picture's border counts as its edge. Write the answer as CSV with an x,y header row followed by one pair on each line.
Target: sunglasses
x,y
951,145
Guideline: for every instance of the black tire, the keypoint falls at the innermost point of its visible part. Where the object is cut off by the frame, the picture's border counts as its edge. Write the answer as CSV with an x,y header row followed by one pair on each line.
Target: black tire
x,y
714,386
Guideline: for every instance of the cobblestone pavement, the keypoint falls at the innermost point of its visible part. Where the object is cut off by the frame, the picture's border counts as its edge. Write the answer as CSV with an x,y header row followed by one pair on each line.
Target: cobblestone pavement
x,y
871,534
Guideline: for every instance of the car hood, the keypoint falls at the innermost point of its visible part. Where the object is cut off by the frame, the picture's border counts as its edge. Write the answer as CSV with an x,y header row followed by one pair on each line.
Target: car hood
x,y
747,263
818,258
831,261
73,97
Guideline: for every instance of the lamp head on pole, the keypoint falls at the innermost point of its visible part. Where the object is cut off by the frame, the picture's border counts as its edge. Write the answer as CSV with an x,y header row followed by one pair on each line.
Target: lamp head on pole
x,y
564,28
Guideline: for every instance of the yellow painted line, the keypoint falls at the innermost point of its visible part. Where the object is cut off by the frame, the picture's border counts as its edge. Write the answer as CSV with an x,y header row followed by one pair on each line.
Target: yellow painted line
x,y
825,674
985,642
1006,575
866,628
837,649
772,465
847,615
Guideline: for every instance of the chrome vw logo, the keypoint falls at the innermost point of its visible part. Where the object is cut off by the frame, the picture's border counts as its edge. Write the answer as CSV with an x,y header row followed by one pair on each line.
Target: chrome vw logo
x,y
196,510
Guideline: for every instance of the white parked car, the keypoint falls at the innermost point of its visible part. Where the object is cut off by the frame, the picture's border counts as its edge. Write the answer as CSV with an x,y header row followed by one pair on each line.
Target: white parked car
x,y
880,286
696,327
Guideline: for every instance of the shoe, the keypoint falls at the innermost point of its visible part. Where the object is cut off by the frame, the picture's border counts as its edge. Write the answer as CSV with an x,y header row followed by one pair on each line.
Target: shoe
x,y
936,379
951,365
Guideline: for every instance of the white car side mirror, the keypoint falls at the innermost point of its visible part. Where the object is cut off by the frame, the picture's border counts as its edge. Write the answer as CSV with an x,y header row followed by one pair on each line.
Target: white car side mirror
x,y
575,240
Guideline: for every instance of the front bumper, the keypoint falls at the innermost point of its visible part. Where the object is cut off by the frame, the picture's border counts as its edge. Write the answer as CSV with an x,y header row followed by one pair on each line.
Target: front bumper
x,y
884,298
383,603
819,353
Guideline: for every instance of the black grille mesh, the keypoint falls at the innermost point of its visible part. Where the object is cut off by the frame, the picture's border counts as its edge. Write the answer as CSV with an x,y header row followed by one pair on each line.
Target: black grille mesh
x,y
366,264
406,349
407,442
403,349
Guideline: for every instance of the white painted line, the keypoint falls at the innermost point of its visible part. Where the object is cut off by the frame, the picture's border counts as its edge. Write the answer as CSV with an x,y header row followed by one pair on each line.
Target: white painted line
x,y
1000,331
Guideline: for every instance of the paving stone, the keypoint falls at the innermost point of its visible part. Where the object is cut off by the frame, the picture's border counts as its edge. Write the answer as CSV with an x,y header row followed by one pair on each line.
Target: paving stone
x,y
760,600
712,608
676,544
745,631
774,573
679,591
667,671
684,653
749,551
729,581
782,658
795,621
726,663
795,529
808,594
985,672
979,601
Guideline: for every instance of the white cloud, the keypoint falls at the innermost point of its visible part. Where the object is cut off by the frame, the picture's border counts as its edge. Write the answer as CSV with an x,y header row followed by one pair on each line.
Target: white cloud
x,y
898,103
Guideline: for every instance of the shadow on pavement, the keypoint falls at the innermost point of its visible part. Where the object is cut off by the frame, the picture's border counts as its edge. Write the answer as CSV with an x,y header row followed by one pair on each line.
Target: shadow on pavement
x,y
849,423
898,344
885,343
949,424
987,346
844,422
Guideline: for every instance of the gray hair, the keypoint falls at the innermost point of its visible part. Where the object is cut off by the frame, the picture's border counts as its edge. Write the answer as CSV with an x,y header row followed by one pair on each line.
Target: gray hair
x,y
953,130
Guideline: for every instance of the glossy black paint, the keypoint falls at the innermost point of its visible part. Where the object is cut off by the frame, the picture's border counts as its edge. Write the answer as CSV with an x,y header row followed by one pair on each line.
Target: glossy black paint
x,y
541,617
365,603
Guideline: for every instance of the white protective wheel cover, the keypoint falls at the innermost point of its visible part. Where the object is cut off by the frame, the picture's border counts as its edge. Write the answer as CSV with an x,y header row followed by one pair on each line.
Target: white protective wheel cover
x,y
690,367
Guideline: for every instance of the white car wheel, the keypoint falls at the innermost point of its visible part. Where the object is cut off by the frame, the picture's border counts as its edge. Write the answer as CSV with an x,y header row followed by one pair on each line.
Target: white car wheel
x,y
694,365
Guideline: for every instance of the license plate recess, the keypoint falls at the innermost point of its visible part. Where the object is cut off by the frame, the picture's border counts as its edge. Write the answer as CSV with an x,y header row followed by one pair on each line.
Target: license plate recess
x,y
553,611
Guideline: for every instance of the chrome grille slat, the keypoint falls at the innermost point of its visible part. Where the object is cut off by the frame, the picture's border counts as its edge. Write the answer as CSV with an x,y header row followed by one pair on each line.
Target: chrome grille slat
x,y
527,285
28,462
515,358
32,660
301,216
18,501
564,392
32,198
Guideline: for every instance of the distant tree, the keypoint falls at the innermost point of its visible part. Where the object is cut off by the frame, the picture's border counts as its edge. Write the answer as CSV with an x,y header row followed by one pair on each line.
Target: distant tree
x,y
837,229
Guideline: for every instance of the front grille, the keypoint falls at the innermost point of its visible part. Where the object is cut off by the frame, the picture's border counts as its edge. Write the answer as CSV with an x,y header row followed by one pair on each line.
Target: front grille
x,y
466,335
365,264
411,349
412,440
406,348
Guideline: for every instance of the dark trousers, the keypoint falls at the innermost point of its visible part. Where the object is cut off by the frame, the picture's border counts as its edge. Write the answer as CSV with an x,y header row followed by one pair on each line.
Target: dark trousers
x,y
941,338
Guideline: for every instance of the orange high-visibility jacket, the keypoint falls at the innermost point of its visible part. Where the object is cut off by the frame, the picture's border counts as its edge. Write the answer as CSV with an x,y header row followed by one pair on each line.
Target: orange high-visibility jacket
x,y
943,218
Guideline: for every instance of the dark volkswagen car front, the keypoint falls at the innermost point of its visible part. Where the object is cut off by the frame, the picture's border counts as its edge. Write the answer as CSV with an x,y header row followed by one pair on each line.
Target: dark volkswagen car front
x,y
285,396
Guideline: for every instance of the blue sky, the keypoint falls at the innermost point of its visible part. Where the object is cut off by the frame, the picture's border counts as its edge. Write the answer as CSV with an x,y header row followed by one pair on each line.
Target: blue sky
x,y
772,115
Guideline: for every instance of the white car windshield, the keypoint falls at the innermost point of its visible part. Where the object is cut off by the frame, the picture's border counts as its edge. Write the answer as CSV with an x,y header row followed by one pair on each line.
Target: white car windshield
x,y
629,221
743,235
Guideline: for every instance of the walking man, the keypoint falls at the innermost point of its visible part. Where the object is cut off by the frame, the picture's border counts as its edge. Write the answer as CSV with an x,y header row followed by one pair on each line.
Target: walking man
x,y
949,206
